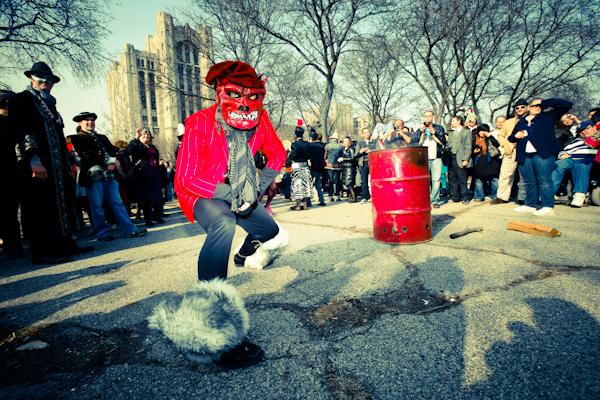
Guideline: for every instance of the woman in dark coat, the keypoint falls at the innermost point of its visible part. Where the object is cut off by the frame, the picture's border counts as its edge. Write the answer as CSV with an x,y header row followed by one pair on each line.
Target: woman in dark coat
x,y
146,188
486,165
348,168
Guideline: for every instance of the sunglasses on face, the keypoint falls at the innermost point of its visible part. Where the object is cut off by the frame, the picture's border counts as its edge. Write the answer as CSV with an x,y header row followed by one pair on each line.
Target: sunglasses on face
x,y
43,78
535,105
520,107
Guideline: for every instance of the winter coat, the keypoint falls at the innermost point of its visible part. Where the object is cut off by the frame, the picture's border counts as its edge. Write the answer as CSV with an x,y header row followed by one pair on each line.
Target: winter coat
x,y
348,166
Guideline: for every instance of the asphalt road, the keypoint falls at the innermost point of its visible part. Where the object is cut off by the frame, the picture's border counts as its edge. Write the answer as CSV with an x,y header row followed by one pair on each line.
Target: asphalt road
x,y
496,314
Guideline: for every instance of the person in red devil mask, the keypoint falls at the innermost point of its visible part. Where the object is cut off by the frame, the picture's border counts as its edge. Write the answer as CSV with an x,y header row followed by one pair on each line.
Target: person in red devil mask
x,y
217,184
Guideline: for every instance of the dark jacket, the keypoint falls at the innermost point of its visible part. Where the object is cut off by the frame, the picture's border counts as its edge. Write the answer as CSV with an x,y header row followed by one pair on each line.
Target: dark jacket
x,y
317,157
363,158
348,166
91,153
486,165
541,132
8,159
440,134
300,152
138,151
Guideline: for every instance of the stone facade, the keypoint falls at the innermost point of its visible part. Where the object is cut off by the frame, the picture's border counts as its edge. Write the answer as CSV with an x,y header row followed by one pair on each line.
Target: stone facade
x,y
162,85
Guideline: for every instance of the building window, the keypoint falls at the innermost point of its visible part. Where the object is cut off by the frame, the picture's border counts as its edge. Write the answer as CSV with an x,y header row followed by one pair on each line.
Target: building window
x,y
141,80
187,54
197,73
143,98
154,121
151,80
151,64
144,120
155,131
153,100
195,57
189,79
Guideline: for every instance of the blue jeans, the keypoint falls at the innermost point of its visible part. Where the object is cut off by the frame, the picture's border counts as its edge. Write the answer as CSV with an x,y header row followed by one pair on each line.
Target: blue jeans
x,y
435,169
170,191
480,184
109,191
317,183
364,182
537,174
580,170
334,179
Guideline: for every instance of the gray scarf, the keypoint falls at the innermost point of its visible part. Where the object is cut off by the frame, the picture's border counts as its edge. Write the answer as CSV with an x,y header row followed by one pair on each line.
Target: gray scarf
x,y
241,170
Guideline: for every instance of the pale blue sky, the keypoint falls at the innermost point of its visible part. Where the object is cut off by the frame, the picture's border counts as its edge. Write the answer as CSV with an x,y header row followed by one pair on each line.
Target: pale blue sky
x,y
133,20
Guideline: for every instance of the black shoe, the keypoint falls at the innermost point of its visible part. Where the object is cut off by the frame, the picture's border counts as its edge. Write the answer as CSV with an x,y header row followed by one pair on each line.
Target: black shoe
x,y
106,238
138,233
73,251
239,260
149,223
160,220
497,200
321,204
49,260
435,205
14,256
244,355
465,202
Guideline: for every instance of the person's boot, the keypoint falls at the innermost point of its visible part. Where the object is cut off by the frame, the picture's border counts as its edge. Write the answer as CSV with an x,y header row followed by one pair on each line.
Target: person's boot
x,y
297,207
305,204
352,196
244,355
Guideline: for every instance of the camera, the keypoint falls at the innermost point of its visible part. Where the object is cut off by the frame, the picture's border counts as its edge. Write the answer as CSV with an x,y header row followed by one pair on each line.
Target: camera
x,y
477,148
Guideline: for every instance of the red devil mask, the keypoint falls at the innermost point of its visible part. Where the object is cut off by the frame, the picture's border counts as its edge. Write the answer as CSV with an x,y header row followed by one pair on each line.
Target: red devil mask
x,y
240,93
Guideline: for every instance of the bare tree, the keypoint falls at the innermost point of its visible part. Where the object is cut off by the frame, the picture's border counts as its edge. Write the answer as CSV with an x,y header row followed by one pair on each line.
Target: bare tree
x,y
62,33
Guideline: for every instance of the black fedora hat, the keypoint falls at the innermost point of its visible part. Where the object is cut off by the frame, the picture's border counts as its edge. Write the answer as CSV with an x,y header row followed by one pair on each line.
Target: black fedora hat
x,y
41,68
83,115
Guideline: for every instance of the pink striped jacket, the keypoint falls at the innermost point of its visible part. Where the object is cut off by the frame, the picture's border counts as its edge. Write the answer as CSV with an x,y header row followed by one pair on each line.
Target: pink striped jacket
x,y
202,157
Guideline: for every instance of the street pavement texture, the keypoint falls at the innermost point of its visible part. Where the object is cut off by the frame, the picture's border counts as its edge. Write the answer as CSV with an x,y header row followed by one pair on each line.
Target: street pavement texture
x,y
496,314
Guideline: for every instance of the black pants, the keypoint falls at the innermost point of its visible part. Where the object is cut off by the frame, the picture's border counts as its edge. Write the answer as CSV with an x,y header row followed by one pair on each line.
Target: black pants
x,y
364,186
219,222
457,181
10,228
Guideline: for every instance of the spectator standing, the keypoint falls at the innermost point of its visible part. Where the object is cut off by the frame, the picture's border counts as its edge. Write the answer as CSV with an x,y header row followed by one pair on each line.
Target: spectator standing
x,y
508,168
146,186
317,163
333,150
486,163
348,167
47,205
301,178
10,195
170,181
459,147
498,123
578,157
398,138
433,137
99,164
536,152
364,148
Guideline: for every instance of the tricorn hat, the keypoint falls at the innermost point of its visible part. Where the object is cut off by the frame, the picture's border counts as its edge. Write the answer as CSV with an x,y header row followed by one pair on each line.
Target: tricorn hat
x,y
83,115
41,68
236,72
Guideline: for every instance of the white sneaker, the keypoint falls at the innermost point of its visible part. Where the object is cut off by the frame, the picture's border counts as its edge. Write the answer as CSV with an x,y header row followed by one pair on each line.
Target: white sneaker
x,y
524,209
363,201
578,199
544,211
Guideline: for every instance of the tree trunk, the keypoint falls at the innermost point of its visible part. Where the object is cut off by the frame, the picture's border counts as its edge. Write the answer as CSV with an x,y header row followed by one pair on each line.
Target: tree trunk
x,y
325,105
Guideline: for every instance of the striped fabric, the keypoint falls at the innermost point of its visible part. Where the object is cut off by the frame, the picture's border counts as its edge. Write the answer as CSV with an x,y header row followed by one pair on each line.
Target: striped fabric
x,y
580,148
203,154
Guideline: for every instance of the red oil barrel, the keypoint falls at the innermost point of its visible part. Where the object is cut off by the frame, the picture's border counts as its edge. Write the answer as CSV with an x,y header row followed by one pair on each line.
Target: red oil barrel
x,y
400,195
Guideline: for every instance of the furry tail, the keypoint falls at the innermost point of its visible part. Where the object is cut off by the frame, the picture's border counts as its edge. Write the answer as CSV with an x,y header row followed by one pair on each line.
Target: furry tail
x,y
268,250
209,321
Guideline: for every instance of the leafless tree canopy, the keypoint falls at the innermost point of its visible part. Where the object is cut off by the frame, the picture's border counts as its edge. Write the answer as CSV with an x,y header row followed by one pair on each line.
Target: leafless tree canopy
x,y
65,34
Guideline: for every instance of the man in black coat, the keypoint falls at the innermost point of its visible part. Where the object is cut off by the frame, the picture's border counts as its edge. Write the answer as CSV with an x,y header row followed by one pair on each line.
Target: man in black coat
x,y
10,229
317,162
47,207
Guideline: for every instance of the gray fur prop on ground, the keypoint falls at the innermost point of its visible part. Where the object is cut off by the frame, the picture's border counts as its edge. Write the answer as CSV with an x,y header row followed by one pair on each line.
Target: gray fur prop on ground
x,y
209,321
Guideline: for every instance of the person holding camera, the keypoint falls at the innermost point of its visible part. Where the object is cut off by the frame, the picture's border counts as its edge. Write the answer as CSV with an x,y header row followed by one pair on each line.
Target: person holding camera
x,y
99,164
434,138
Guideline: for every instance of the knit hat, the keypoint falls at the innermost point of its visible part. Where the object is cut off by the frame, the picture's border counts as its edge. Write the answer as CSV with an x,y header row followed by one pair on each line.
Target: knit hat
x,y
470,115
236,72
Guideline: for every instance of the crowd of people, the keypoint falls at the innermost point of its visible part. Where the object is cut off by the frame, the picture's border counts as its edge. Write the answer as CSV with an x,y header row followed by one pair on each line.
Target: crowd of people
x,y
54,178
546,144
